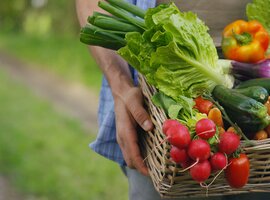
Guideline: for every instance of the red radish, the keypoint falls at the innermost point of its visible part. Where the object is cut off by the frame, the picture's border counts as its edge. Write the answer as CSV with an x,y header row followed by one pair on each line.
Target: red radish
x,y
229,142
179,136
178,155
205,128
201,171
199,150
176,134
168,123
218,161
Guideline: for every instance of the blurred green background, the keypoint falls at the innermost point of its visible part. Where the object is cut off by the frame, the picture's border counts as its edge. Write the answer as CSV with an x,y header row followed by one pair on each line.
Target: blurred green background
x,y
44,153
47,32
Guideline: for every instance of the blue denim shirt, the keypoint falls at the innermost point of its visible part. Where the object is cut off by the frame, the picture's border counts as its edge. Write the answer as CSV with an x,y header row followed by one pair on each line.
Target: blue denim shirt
x,y
105,143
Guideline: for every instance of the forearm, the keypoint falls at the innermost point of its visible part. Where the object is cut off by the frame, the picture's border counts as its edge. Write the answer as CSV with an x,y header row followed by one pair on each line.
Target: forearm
x,y
112,65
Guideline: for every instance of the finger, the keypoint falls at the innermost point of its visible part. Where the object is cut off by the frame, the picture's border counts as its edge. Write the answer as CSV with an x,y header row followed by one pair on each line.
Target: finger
x,y
128,142
132,151
137,159
134,103
124,149
127,138
124,129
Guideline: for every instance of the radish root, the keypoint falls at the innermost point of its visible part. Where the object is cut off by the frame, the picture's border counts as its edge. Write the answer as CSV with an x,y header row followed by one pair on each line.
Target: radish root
x,y
155,148
204,132
187,168
206,186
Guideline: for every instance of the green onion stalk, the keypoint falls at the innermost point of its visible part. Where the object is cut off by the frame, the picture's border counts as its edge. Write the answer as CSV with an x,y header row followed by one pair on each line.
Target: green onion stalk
x,y
109,31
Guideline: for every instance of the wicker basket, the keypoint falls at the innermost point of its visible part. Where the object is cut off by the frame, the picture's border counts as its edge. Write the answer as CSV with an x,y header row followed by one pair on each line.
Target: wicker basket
x,y
165,174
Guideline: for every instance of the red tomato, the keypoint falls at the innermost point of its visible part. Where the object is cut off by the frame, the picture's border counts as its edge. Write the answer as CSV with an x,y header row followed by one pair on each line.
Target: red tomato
x,y
203,105
237,172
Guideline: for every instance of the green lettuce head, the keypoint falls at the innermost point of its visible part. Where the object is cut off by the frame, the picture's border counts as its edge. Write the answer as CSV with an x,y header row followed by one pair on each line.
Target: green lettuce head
x,y
175,54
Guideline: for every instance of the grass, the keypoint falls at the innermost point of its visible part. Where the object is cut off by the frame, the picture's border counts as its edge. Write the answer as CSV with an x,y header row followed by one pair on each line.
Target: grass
x,y
46,154
65,56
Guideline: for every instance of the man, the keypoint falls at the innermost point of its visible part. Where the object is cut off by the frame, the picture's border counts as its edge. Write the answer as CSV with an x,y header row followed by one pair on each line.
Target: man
x,y
121,103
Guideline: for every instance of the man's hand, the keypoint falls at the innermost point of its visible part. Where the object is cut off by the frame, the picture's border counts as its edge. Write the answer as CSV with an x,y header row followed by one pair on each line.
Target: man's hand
x,y
130,113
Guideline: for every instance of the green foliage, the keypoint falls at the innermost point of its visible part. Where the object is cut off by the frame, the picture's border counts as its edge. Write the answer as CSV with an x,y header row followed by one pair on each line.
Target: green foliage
x,y
46,154
65,56
48,37
64,19
259,10
17,15
11,14
37,24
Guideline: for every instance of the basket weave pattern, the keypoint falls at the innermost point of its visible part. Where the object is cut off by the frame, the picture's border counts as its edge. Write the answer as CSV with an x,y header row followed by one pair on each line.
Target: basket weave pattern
x,y
167,179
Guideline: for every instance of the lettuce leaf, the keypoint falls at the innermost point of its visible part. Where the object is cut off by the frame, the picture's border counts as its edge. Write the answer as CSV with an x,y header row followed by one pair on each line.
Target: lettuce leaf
x,y
259,10
175,54
183,110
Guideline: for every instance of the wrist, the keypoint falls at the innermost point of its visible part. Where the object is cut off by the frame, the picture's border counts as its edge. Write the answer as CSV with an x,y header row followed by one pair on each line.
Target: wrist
x,y
117,72
115,69
121,83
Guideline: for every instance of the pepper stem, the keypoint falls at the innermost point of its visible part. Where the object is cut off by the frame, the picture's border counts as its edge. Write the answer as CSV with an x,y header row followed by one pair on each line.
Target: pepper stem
x,y
243,39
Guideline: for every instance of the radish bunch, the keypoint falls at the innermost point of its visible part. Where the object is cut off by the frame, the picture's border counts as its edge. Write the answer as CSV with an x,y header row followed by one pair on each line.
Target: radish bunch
x,y
198,155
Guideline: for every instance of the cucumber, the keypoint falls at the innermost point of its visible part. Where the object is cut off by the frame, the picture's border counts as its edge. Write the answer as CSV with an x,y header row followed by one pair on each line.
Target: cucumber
x,y
255,92
249,114
238,102
248,124
263,82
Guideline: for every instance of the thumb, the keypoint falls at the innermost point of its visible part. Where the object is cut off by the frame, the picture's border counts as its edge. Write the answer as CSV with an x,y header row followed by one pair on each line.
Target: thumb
x,y
134,103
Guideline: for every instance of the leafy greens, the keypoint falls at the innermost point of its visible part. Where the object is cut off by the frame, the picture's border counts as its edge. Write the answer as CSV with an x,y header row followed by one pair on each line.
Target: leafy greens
x,y
259,10
175,53
182,110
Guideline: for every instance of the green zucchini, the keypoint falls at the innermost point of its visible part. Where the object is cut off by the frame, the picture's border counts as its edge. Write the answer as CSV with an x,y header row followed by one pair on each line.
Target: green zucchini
x,y
263,82
249,124
249,114
255,92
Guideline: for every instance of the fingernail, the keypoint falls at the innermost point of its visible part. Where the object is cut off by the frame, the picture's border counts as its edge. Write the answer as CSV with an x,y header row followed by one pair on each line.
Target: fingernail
x,y
147,125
